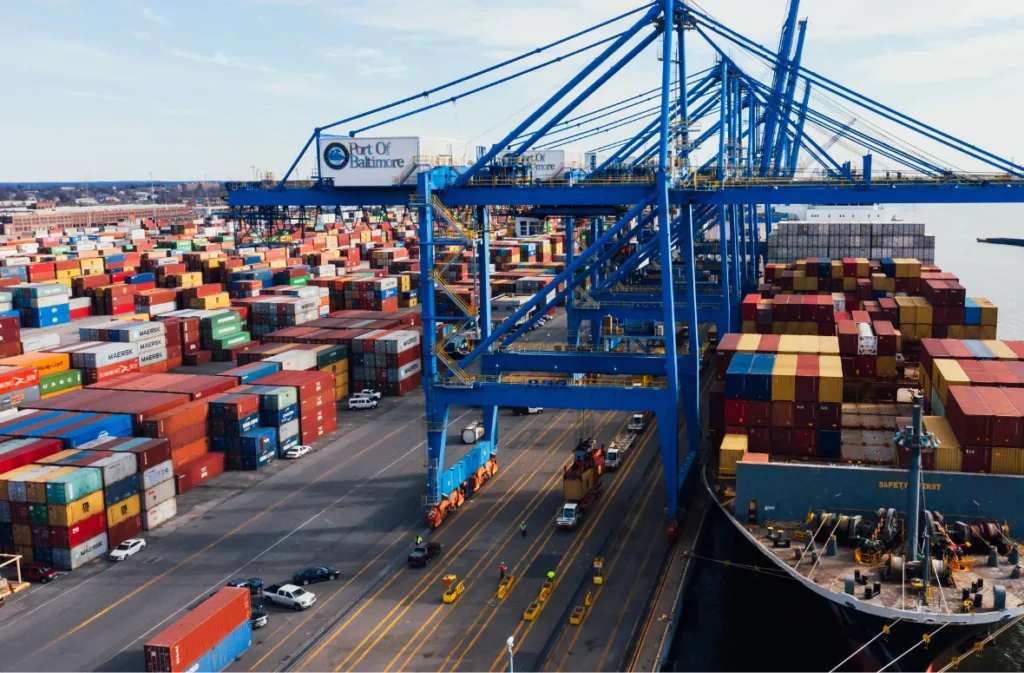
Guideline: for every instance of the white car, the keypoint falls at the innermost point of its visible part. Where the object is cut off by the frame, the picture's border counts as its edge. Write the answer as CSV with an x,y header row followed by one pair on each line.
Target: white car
x,y
298,451
127,548
369,392
362,403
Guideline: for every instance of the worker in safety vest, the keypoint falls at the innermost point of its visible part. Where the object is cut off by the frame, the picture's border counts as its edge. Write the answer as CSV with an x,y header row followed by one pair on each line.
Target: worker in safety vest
x,y
501,569
522,528
551,575
419,539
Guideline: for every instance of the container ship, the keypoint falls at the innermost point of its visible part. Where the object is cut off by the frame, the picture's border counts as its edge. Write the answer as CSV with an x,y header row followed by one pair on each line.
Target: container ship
x,y
867,440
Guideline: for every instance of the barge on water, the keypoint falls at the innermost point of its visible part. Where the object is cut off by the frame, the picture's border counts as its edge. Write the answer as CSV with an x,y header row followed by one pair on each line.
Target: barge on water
x,y
1019,242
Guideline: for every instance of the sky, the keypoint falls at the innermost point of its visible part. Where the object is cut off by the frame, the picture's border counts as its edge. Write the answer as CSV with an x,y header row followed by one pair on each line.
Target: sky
x,y
219,88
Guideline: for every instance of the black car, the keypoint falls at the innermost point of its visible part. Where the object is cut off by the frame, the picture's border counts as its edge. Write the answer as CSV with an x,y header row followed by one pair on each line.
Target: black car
x,y
253,584
314,574
260,616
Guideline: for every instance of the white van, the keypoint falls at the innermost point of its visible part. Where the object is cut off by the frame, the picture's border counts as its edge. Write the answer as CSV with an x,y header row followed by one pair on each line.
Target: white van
x,y
362,403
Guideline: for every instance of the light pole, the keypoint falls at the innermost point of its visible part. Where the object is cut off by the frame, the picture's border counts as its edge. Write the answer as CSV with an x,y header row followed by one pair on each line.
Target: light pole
x,y
152,196
511,643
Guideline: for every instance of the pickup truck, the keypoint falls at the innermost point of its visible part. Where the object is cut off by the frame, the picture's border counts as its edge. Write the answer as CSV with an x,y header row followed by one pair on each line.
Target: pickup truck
x,y
423,553
637,423
289,596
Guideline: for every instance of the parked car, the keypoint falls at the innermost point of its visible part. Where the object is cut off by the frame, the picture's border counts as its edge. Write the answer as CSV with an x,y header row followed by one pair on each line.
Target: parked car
x,y
298,451
372,393
362,403
526,411
289,596
314,574
423,553
253,584
259,616
39,572
127,548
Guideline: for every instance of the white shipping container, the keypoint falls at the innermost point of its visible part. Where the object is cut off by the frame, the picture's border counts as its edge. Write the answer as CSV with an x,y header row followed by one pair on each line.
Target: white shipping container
x,y
162,492
39,342
152,344
158,473
107,354
140,331
401,341
867,342
76,557
116,467
46,302
409,370
162,513
288,430
79,302
152,357
159,309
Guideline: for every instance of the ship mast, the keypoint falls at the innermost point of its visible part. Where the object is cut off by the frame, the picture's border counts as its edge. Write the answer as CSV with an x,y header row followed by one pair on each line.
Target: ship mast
x,y
914,439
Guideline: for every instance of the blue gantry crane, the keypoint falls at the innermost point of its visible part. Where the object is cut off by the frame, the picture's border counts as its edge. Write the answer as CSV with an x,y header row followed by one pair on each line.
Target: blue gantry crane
x,y
708,151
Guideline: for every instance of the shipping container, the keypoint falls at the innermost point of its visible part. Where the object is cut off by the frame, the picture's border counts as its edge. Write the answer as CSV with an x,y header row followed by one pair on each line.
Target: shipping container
x,y
160,514
179,647
79,555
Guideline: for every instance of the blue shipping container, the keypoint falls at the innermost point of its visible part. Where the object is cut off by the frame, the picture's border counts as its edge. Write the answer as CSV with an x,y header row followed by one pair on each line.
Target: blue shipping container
x,y
735,377
287,444
243,426
141,278
258,440
972,313
275,419
46,317
979,350
224,653
42,555
121,490
219,444
256,370
256,461
758,383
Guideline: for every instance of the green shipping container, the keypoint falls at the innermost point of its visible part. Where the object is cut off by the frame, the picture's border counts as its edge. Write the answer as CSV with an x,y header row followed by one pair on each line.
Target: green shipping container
x,y
38,514
225,318
54,383
232,341
67,488
222,331
279,398
301,280
329,356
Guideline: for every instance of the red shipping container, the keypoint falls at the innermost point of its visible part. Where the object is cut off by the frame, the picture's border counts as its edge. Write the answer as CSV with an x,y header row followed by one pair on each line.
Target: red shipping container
x,y
20,513
181,645
969,416
17,378
805,442
736,430
782,414
886,337
864,365
195,472
759,414
830,416
976,459
806,386
66,537
28,454
125,530
805,415
1007,424
782,441
847,331
190,451
92,376
182,438
759,440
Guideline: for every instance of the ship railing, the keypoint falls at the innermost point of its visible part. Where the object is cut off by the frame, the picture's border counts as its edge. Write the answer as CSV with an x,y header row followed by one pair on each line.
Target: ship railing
x,y
589,381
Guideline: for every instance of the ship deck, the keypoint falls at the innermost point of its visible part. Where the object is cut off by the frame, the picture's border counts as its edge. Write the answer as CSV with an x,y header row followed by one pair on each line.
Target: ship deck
x,y
829,572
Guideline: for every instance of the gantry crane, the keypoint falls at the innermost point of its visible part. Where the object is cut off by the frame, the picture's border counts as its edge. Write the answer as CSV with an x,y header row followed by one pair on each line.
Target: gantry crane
x,y
715,148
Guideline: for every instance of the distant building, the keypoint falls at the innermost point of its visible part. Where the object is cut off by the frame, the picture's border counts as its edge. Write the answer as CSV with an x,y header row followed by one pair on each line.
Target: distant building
x,y
72,218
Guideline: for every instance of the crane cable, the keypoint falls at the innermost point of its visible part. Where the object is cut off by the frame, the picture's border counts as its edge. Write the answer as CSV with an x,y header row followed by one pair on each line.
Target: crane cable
x,y
978,645
913,647
884,632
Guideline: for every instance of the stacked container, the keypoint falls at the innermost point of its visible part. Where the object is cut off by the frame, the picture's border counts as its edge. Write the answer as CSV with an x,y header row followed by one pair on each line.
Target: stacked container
x,y
387,359
235,429
317,408
42,304
154,475
209,638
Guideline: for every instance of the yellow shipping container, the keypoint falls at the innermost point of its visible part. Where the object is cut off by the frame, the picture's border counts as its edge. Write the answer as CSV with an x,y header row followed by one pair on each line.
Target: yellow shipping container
x,y
76,512
998,348
926,384
1007,460
219,300
811,284
909,331
939,426
972,331
35,490
987,332
955,331
948,458
25,553
122,511
779,327
749,327
863,267
46,363
948,373
809,329
808,345
784,378
837,269
989,311
878,281
902,268
849,284
789,343
734,447
923,331
828,345
830,379
885,365
748,343
924,311
91,263
908,310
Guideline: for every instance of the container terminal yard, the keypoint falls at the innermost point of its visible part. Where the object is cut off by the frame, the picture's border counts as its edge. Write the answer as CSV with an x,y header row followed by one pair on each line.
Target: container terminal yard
x,y
428,413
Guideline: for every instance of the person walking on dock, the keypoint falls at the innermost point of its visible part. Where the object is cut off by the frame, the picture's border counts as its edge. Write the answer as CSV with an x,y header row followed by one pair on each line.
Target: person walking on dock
x,y
501,569
522,528
551,575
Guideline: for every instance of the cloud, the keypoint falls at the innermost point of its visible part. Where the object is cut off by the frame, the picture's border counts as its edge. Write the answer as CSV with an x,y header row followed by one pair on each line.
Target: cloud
x,y
221,59
370,61
139,34
62,58
94,95
181,112
945,61
151,15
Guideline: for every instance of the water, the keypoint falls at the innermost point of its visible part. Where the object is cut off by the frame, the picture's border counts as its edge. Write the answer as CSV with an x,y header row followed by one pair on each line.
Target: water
x,y
737,620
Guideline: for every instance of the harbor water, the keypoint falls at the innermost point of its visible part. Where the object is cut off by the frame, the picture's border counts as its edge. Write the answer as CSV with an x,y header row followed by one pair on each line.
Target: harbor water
x,y
739,619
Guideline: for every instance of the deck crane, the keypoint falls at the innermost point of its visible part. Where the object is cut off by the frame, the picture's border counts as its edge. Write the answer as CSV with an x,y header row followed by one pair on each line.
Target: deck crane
x,y
662,207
